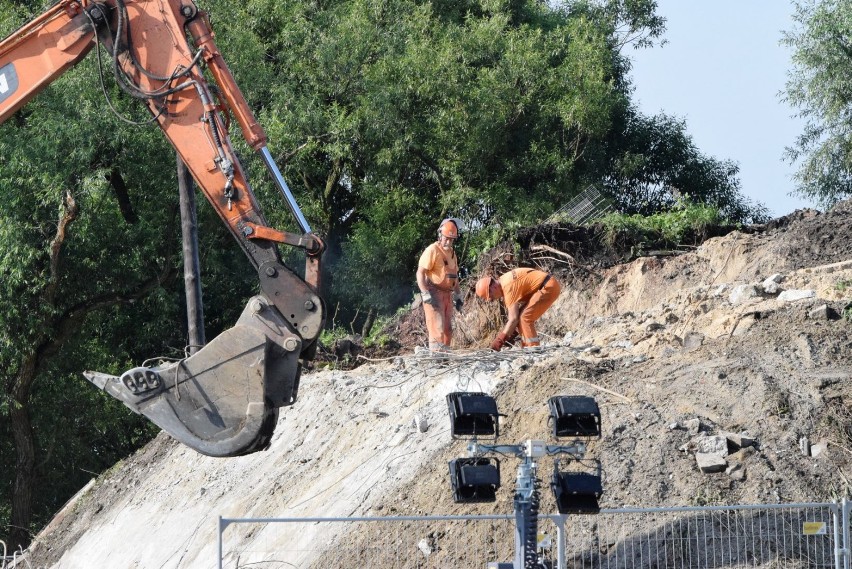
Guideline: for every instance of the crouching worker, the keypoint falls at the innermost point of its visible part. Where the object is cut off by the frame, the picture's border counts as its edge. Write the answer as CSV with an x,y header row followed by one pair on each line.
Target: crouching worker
x,y
527,293
438,280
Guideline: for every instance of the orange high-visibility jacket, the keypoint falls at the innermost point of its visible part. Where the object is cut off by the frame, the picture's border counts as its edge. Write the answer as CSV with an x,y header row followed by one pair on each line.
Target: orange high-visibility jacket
x,y
520,284
442,270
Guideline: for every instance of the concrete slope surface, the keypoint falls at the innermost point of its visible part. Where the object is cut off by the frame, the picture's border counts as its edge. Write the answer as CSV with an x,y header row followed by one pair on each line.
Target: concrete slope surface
x,y
745,339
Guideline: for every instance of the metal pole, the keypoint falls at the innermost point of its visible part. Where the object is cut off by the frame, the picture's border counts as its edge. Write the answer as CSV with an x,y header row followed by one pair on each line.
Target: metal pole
x,y
520,532
282,185
191,272
836,514
845,509
219,540
560,541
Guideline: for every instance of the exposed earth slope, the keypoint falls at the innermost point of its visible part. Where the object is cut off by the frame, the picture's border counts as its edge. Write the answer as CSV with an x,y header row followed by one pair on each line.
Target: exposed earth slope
x,y
675,348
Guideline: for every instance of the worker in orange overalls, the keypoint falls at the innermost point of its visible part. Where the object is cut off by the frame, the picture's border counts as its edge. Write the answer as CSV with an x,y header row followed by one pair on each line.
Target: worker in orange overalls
x,y
438,280
527,293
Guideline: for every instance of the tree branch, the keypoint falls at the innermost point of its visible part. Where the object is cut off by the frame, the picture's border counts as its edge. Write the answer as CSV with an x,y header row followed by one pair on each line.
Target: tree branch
x,y
116,180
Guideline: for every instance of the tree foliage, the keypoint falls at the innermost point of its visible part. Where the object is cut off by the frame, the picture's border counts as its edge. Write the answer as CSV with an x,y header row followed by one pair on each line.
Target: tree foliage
x,y
652,164
389,116
818,86
89,251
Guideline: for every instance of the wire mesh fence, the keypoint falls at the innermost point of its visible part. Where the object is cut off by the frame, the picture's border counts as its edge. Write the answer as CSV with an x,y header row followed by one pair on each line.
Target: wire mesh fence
x,y
787,536
766,536
582,208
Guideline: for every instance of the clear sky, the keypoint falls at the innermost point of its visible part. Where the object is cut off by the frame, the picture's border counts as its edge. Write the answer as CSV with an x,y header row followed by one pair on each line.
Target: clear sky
x,y
722,70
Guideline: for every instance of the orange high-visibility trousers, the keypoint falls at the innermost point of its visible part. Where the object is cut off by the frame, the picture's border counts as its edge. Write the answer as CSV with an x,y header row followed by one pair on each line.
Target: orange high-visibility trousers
x,y
439,321
537,305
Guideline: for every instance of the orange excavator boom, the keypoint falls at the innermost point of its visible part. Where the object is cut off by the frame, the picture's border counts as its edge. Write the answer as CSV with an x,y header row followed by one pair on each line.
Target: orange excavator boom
x,y
224,399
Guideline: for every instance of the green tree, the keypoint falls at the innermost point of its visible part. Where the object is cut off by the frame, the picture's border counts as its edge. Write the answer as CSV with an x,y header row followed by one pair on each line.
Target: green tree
x,y
651,163
818,86
388,116
86,226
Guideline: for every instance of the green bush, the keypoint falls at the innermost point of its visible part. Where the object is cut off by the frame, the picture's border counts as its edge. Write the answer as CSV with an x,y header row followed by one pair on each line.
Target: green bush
x,y
673,227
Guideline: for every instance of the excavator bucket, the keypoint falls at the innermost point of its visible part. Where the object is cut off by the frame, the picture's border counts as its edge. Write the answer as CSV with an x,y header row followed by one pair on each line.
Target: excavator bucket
x,y
224,399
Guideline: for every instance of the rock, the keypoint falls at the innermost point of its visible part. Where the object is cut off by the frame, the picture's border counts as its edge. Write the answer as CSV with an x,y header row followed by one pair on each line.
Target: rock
x,y
719,291
772,288
715,444
822,312
740,440
736,471
693,341
805,446
709,462
425,547
693,426
770,285
795,295
421,423
742,293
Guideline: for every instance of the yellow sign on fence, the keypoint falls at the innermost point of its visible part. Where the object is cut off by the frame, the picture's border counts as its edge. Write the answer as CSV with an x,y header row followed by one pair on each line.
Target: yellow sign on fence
x,y
814,528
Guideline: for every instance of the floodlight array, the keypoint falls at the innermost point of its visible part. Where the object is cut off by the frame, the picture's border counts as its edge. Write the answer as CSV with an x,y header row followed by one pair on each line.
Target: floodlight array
x,y
477,478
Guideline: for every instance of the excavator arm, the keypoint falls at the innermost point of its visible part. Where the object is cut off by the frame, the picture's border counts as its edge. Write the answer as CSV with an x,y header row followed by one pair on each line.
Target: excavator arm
x,y
224,399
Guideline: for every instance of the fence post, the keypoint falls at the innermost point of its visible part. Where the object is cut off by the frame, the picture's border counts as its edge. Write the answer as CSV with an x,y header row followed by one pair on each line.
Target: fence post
x,y
845,514
560,541
219,531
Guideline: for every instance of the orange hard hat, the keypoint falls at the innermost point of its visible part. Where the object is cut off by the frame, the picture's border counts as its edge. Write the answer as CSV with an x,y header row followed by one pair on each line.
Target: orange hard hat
x,y
449,228
483,288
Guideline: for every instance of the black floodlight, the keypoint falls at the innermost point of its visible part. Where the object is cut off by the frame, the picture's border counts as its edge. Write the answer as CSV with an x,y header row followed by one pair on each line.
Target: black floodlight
x,y
472,414
576,492
475,479
575,416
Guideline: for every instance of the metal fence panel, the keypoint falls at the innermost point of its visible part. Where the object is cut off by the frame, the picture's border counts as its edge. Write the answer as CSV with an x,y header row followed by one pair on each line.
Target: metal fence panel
x,y
784,536
788,537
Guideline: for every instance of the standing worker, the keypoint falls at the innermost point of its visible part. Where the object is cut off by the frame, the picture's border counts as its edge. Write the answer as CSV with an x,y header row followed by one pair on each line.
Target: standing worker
x,y
527,293
438,280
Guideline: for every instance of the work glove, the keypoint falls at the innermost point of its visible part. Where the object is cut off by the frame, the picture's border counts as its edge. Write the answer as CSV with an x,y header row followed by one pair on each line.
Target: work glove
x,y
457,301
427,298
512,339
498,342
